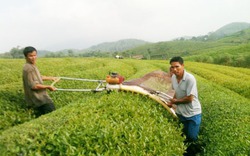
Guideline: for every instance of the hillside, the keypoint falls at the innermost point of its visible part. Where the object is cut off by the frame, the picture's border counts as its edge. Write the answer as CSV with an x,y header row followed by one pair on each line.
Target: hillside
x,y
239,37
228,30
227,36
232,50
165,50
234,34
117,46
237,54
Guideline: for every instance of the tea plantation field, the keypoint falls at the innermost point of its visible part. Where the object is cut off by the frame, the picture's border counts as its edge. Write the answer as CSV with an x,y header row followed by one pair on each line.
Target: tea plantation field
x,y
121,123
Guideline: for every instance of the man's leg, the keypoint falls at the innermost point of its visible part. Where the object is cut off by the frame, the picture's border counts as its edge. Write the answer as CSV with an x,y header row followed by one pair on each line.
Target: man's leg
x,y
46,108
193,127
184,121
49,108
192,135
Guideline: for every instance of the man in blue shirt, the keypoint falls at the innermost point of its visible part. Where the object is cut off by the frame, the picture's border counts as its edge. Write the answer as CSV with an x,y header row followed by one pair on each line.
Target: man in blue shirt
x,y
188,107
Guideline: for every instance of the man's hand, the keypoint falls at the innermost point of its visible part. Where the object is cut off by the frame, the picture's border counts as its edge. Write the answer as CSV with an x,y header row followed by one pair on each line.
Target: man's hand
x,y
51,88
40,86
184,100
173,101
55,78
169,104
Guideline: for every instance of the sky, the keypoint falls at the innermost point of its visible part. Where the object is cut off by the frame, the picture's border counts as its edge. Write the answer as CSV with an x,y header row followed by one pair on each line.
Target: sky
x,y
78,24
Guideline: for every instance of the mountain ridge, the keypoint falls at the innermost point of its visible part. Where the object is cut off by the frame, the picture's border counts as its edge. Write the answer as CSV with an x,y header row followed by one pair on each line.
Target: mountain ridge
x,y
117,46
229,29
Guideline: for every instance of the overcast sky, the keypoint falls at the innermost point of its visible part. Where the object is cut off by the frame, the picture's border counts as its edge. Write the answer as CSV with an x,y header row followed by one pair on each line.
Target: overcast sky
x,y
63,24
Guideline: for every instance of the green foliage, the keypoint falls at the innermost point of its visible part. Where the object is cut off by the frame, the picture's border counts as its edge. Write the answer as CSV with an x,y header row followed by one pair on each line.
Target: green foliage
x,y
224,128
87,123
5,55
237,56
222,91
119,123
174,48
16,52
242,36
232,48
12,105
104,126
228,77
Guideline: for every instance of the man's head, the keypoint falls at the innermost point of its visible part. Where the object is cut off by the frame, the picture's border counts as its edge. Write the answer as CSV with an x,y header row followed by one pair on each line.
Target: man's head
x,y
30,54
177,66
177,59
28,50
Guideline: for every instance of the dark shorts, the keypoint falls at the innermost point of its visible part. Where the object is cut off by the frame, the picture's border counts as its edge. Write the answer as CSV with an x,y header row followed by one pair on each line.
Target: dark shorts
x,y
44,109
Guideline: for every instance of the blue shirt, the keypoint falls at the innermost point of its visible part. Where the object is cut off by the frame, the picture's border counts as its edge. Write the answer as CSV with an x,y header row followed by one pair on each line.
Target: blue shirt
x,y
186,87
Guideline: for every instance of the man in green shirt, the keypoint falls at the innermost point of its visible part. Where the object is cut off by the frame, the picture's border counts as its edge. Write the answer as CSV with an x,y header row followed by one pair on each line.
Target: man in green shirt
x,y
36,95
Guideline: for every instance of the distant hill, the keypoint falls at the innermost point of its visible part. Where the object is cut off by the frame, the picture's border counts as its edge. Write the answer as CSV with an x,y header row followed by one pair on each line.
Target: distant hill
x,y
117,46
17,52
42,53
237,53
228,29
230,49
239,37
165,50
231,41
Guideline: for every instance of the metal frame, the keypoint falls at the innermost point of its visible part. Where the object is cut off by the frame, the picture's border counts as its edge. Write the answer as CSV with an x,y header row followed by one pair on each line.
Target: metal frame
x,y
159,96
100,87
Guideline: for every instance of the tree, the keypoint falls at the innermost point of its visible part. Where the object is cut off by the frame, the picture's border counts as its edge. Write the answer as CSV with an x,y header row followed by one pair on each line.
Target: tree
x,y
70,53
148,54
17,52
247,61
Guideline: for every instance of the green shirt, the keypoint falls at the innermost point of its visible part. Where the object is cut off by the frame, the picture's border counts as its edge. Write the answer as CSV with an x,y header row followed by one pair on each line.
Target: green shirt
x,y
31,77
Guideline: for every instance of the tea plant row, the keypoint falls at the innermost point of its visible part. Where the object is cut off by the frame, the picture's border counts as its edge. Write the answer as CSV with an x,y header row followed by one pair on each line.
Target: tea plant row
x,y
118,123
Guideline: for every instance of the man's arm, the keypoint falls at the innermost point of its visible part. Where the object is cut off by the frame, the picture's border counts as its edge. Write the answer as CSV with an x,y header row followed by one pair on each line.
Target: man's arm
x,y
40,86
50,78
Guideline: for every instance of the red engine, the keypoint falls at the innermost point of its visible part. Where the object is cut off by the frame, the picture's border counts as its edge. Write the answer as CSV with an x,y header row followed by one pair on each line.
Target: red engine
x,y
114,78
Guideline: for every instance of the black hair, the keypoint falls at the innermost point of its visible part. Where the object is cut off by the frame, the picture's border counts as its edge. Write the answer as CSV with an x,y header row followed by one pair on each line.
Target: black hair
x,y
177,59
27,50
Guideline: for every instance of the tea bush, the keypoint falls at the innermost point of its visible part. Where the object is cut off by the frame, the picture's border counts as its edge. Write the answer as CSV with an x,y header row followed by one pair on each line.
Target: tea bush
x,y
236,79
118,123
106,125
225,129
